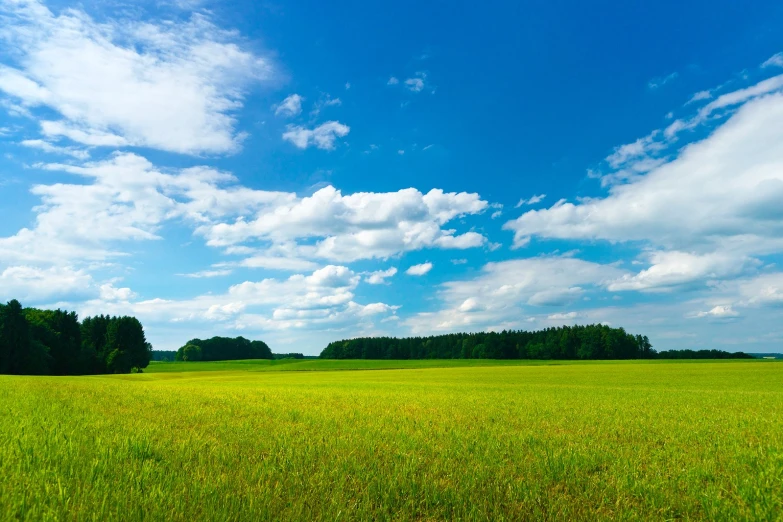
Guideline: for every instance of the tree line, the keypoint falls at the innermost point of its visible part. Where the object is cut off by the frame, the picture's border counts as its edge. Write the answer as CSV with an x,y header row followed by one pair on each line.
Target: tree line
x,y
702,354
223,349
54,342
594,341
566,342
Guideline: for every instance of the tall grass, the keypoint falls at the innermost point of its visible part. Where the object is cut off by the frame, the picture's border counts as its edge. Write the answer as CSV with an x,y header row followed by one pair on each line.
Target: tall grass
x,y
560,442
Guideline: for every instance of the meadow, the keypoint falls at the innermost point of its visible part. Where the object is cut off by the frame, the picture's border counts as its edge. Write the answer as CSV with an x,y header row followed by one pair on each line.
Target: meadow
x,y
411,440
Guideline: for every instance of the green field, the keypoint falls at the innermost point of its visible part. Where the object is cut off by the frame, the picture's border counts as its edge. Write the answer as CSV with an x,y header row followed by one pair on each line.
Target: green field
x,y
455,440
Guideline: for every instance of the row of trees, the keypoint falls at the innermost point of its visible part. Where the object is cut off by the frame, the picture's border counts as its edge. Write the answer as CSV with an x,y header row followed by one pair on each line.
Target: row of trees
x,y
567,342
223,349
54,342
702,354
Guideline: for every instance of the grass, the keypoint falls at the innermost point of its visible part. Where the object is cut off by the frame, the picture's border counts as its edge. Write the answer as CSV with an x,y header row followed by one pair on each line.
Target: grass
x,y
648,441
263,365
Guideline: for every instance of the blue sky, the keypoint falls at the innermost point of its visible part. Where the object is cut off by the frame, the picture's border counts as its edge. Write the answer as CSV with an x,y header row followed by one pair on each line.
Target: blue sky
x,y
304,172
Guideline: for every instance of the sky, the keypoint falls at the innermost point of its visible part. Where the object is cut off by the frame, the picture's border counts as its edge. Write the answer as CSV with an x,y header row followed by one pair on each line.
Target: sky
x,y
305,172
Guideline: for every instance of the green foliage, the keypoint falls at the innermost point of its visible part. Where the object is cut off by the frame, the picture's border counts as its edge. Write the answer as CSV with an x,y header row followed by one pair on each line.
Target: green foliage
x,y
164,355
53,342
595,341
288,356
227,349
506,440
190,352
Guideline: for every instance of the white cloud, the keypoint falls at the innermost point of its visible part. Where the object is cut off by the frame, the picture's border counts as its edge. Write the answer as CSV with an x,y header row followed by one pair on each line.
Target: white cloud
x,y
56,149
109,292
125,199
656,83
720,311
325,101
530,201
207,273
764,290
31,285
670,269
357,226
323,136
171,86
701,95
419,270
503,293
567,316
379,277
414,84
775,60
291,106
322,301
282,261
719,194
392,81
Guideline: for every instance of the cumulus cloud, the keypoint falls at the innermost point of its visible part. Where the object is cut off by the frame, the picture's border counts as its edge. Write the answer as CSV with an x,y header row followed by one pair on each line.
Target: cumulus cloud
x,y
125,198
291,106
109,292
322,137
419,270
357,226
379,277
671,269
322,301
392,81
171,86
31,284
504,293
718,194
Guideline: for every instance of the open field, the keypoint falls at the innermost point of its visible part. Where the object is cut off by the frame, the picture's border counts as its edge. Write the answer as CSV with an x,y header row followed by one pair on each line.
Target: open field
x,y
652,440
264,365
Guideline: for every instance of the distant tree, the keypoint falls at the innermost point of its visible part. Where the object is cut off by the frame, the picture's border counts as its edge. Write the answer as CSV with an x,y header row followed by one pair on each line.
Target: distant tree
x,y
595,341
127,346
53,342
14,338
191,352
228,349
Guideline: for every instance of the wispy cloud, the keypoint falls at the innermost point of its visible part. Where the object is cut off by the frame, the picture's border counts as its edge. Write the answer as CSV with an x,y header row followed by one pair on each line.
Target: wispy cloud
x,y
291,106
774,61
322,137
171,86
531,200
659,82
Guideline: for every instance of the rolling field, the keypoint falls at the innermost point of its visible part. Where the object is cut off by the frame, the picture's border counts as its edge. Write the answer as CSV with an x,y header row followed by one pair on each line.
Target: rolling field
x,y
225,441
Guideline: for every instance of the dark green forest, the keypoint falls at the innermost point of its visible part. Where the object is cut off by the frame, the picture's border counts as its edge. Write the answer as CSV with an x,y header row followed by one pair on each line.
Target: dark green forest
x,y
223,349
54,342
566,342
